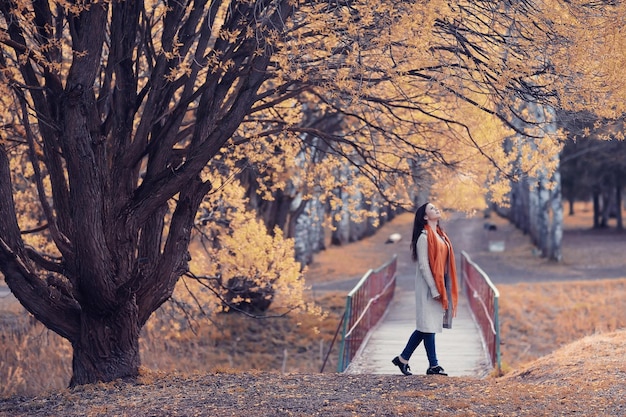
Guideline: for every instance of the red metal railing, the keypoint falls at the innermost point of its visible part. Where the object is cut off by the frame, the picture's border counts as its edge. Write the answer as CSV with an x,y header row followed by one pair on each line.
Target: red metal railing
x,y
483,299
365,305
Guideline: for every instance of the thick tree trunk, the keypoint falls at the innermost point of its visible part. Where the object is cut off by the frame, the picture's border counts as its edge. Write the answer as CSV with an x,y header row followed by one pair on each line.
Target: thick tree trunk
x,y
544,238
555,252
522,206
596,210
550,217
618,206
108,347
606,207
308,230
535,209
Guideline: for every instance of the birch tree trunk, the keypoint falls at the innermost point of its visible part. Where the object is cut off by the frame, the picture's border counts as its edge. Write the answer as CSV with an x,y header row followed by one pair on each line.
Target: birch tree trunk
x,y
536,205
556,227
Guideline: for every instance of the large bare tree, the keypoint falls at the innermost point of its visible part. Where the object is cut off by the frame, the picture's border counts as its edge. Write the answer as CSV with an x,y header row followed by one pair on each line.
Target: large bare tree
x,y
105,105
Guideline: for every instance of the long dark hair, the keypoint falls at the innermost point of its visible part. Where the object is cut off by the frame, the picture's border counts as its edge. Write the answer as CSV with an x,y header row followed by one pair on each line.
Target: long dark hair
x,y
418,226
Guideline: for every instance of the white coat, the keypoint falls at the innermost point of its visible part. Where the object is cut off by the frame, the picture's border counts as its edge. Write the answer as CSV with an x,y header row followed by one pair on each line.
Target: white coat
x,y
429,312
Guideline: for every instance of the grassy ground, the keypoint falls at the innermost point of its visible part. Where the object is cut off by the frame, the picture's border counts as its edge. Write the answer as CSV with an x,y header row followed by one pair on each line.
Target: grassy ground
x,y
564,349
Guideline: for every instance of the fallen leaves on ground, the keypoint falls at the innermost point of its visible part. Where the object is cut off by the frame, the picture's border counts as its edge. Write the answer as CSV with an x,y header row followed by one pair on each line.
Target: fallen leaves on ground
x,y
583,378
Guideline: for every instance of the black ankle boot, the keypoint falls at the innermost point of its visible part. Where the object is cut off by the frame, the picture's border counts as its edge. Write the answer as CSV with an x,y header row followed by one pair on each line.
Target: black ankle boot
x,y
404,367
436,370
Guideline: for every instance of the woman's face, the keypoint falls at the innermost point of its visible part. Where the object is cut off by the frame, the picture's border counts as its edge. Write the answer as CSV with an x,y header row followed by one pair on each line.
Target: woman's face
x,y
432,213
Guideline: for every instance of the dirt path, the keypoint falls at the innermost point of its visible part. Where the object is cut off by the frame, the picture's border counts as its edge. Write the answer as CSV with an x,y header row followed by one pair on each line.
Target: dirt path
x,y
587,254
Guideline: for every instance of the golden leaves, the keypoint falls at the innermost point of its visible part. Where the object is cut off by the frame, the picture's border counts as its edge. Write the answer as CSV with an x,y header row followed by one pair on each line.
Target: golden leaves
x,y
232,36
590,56
239,246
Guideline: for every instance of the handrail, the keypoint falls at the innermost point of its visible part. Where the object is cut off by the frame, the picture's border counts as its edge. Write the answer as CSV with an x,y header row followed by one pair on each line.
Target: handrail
x,y
483,297
365,310
366,303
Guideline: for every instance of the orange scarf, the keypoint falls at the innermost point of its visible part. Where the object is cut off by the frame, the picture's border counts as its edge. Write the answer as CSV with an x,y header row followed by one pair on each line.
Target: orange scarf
x,y
438,267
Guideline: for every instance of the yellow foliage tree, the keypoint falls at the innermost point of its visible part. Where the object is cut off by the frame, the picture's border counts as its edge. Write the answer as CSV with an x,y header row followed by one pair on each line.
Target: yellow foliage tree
x,y
237,264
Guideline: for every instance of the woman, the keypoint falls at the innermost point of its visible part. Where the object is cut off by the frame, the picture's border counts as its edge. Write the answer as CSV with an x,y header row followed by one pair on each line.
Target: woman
x,y
436,292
